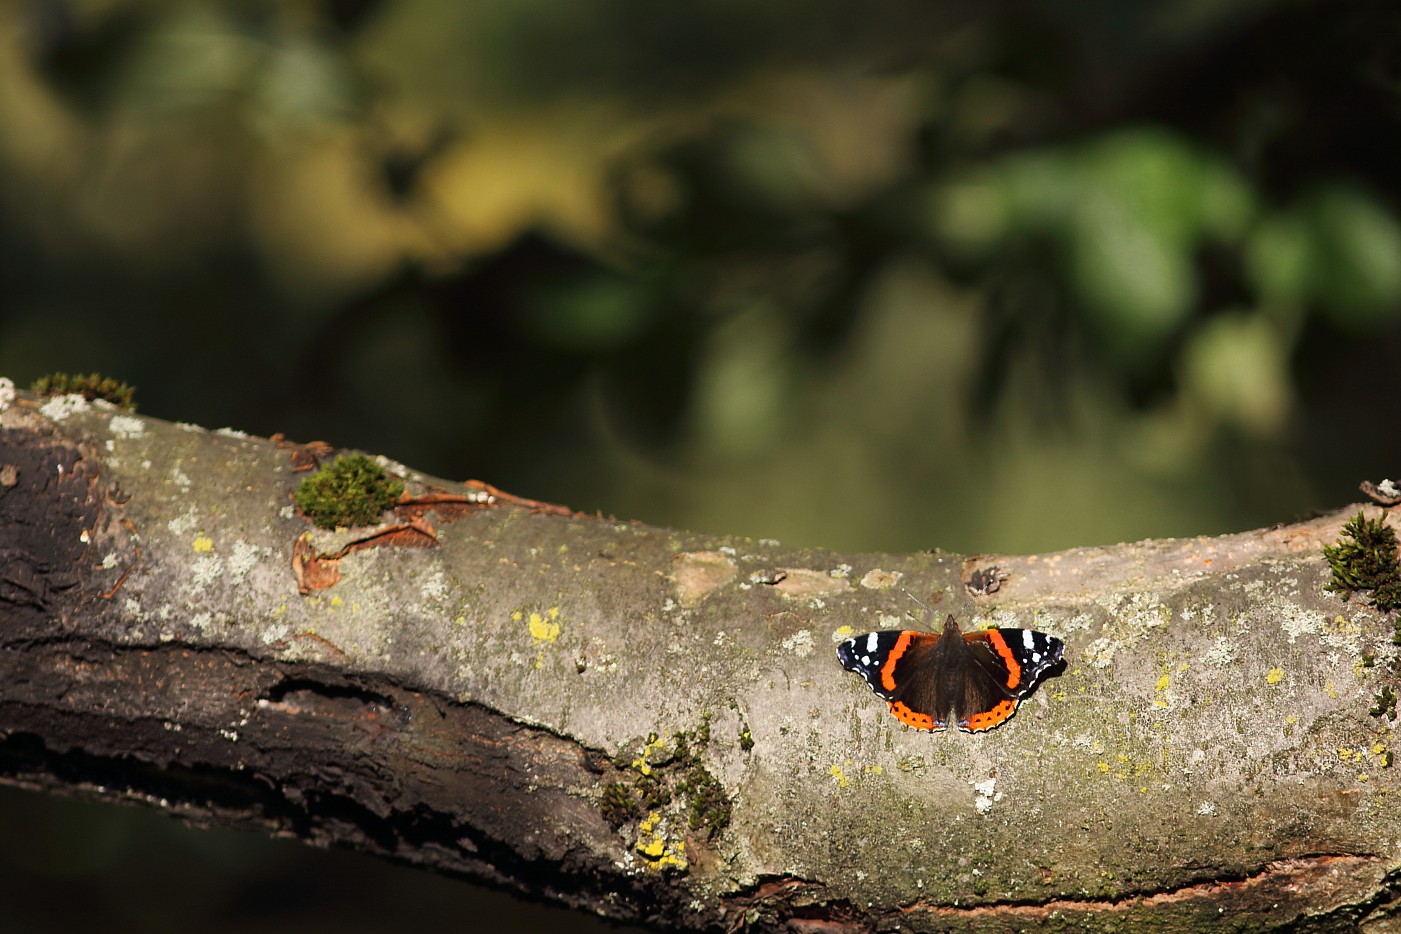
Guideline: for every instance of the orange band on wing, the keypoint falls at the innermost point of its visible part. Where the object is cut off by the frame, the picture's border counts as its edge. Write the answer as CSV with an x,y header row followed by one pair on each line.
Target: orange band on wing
x,y
1014,670
920,721
887,671
986,721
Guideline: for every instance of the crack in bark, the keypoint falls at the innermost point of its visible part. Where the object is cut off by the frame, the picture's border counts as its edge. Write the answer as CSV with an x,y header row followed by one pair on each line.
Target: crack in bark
x,y
214,736
800,905
1298,870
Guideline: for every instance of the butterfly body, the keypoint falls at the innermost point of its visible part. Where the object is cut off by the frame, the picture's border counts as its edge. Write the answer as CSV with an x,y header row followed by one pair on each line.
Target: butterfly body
x,y
973,679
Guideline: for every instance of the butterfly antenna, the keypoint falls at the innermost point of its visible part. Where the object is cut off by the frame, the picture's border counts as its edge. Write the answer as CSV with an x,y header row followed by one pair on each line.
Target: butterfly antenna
x,y
916,599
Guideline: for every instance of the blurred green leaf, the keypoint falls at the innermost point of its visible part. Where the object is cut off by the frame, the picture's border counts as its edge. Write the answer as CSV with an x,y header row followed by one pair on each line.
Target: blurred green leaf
x,y
304,79
191,57
1129,211
1136,282
1042,188
1226,201
971,215
1236,367
1279,259
1357,249
1155,179
592,314
1148,200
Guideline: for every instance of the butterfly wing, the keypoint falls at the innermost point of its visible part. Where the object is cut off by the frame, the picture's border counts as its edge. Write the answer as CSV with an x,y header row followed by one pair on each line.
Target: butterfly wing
x,y
1008,664
900,667
981,676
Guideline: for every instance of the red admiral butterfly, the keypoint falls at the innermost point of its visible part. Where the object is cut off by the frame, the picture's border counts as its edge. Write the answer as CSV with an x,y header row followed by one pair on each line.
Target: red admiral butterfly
x,y
928,677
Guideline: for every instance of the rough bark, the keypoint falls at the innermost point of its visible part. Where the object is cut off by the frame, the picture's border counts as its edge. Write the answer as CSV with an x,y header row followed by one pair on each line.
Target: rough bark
x,y
651,724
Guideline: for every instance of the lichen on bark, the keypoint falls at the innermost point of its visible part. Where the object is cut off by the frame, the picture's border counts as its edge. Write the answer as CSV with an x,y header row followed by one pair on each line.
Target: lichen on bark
x,y
459,703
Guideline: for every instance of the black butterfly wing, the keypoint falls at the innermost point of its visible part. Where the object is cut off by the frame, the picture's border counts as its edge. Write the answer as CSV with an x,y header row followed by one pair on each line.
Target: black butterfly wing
x,y
980,677
1009,663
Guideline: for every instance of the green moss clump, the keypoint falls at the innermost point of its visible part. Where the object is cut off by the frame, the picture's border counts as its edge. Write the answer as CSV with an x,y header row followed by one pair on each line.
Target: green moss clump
x,y
708,807
1386,703
1364,559
746,739
652,791
88,385
667,774
619,805
353,490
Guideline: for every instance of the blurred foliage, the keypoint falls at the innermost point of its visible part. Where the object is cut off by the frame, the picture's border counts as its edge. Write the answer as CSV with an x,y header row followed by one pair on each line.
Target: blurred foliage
x,y
1010,275
1090,254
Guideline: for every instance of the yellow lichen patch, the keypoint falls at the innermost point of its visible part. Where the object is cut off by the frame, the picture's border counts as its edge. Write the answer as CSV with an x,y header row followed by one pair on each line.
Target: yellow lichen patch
x,y
336,601
1160,690
640,763
807,584
674,857
204,543
697,574
842,633
839,774
652,843
1274,676
649,844
1342,626
545,627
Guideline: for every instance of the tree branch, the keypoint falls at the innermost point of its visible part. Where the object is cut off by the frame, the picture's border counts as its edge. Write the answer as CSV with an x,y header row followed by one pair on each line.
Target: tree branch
x,y
652,725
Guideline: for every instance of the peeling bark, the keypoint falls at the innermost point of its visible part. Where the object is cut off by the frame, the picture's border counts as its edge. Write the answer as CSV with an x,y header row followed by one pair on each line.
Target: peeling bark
x,y
651,725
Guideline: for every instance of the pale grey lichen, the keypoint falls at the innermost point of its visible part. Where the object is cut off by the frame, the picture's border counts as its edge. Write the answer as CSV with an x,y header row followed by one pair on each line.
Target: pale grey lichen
x,y
126,426
435,587
60,407
243,557
205,571
185,523
800,643
1221,653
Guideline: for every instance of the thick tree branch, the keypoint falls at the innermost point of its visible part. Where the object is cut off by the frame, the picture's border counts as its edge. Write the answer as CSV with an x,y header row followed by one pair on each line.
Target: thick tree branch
x,y
652,725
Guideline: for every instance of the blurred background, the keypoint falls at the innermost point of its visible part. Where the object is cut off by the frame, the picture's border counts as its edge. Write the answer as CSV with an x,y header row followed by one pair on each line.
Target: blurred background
x,y
984,276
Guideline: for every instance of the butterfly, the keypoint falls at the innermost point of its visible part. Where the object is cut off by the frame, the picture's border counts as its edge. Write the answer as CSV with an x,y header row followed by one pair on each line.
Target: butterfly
x,y
929,678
